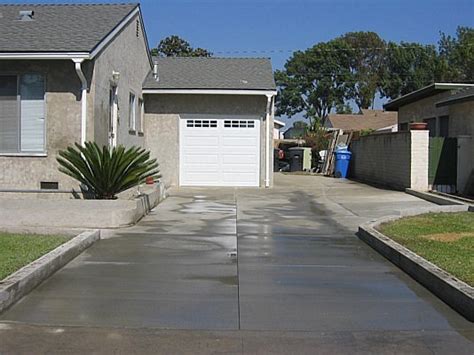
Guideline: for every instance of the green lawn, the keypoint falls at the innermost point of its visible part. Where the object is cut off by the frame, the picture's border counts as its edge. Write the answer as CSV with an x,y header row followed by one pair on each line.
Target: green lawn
x,y
445,239
18,250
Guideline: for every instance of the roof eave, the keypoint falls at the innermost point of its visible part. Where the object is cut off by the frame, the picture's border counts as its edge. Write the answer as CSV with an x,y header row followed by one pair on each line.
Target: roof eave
x,y
267,92
45,55
455,101
422,93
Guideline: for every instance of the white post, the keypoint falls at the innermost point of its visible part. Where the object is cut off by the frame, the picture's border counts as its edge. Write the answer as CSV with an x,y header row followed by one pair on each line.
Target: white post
x,y
268,142
82,78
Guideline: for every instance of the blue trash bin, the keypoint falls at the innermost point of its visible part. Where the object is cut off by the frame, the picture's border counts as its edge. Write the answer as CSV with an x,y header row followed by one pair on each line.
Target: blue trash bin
x,y
343,157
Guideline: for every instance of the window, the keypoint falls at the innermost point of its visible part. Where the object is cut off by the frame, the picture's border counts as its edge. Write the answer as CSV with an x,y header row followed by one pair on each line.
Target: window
x,y
403,127
239,124
22,113
132,119
201,123
431,126
444,126
141,113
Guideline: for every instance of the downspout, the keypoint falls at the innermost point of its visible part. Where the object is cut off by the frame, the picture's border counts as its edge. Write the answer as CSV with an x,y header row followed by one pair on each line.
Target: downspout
x,y
267,140
82,78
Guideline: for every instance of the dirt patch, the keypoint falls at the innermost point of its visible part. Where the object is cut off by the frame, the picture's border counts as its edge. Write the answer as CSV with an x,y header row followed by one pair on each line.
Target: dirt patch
x,y
448,237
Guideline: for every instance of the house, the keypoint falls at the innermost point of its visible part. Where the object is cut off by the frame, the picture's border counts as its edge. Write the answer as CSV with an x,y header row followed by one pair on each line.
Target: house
x,y
74,73
277,126
206,120
376,120
448,111
68,73
297,131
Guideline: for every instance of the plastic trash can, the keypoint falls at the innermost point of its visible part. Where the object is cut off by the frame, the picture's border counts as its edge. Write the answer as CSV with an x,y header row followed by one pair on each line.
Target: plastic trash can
x,y
343,158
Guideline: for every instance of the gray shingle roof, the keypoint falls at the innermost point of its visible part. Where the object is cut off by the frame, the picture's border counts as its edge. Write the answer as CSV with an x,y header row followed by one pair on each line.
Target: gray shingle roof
x,y
59,28
212,73
461,96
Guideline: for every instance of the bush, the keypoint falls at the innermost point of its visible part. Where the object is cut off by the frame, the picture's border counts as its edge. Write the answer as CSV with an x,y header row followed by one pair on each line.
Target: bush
x,y
106,172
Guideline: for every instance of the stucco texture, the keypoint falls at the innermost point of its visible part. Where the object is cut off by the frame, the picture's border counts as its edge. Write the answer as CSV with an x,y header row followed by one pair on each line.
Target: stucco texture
x,y
62,120
162,115
423,109
127,54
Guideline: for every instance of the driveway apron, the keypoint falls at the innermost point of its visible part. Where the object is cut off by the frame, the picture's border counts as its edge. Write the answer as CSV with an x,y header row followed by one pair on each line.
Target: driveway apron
x,y
173,270
300,268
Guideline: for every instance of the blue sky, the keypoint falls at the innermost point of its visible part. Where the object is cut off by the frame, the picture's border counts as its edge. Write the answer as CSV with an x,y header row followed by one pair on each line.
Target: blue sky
x,y
275,28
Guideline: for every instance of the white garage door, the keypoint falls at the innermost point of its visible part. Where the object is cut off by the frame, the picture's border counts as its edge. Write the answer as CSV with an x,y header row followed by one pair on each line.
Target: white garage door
x,y
219,152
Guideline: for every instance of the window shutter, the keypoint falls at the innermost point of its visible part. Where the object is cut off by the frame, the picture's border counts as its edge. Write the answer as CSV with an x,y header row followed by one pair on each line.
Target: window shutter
x,y
32,113
9,125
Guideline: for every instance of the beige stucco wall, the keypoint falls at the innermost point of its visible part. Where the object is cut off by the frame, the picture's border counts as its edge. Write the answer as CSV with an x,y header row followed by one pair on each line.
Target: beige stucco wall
x,y
396,160
62,119
126,54
423,109
461,119
162,114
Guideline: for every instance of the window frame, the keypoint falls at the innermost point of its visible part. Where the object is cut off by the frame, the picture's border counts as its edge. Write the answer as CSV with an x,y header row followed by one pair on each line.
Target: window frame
x,y
30,153
141,115
132,113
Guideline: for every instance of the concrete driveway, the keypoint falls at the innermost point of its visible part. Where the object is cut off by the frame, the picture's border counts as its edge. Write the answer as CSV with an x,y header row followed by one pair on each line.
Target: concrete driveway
x,y
301,281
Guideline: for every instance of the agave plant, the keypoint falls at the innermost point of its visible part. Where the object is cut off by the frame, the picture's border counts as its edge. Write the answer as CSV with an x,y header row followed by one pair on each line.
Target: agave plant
x,y
106,172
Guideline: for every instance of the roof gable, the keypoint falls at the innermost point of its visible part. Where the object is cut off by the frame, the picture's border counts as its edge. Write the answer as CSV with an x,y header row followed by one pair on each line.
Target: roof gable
x,y
59,28
369,119
176,73
422,93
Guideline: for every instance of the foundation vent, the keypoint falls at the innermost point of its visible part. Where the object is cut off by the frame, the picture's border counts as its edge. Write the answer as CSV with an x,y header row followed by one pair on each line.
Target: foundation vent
x,y
26,15
49,185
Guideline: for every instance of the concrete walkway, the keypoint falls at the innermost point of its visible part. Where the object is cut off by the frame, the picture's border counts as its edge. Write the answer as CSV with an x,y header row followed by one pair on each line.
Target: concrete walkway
x,y
302,281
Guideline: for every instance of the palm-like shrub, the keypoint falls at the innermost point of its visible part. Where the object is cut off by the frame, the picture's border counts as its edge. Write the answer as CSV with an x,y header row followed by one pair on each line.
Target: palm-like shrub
x,y
106,172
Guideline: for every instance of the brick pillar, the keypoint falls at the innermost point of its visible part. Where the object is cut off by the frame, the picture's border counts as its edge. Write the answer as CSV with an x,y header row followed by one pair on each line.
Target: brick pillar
x,y
419,160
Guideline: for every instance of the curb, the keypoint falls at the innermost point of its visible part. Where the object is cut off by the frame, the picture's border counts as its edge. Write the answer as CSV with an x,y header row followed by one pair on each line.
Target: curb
x,y
454,292
21,282
434,198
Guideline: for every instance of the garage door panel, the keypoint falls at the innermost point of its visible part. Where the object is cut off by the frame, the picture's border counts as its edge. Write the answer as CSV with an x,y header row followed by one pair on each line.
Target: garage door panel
x,y
200,159
239,142
204,140
200,168
245,168
226,154
242,179
239,159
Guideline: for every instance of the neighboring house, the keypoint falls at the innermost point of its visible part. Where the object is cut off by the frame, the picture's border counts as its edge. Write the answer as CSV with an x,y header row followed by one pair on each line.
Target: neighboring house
x,y
448,110
377,120
74,73
298,131
277,126
206,120
68,73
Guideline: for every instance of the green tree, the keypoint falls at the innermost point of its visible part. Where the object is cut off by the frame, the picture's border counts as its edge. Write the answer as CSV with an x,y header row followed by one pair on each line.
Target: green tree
x,y
344,109
315,81
457,55
175,46
366,63
408,67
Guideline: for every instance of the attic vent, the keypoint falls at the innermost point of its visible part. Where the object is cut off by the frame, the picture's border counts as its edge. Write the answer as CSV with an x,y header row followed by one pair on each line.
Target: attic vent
x,y
137,31
26,15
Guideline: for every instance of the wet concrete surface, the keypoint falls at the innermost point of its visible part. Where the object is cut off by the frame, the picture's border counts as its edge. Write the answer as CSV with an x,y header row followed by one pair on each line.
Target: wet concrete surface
x,y
301,280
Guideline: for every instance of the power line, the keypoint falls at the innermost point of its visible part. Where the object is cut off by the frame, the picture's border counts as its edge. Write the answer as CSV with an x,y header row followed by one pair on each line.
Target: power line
x,y
330,49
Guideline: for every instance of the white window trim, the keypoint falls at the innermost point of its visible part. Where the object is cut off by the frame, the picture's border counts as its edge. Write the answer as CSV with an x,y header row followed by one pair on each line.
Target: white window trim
x,y
141,104
132,112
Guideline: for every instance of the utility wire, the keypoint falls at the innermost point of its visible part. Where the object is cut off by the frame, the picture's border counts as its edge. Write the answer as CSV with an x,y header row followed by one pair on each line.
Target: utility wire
x,y
330,49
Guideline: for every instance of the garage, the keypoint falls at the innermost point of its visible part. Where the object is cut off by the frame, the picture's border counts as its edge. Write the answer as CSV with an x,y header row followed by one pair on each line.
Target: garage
x,y
209,121
219,152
